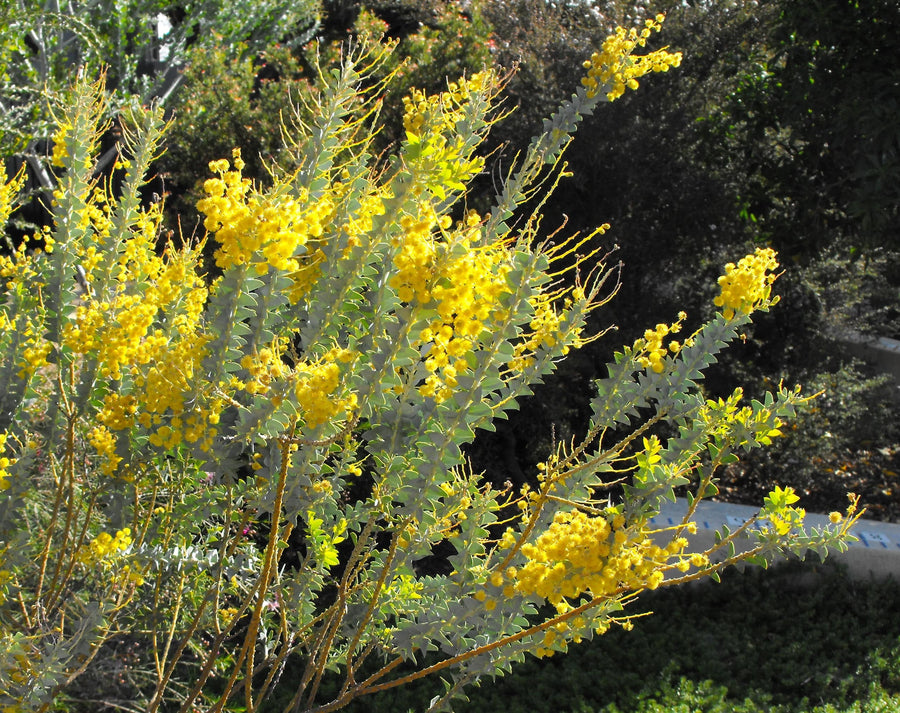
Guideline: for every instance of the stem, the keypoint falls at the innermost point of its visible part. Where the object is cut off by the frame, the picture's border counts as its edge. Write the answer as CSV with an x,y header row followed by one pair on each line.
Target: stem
x,y
365,689
317,664
69,463
270,558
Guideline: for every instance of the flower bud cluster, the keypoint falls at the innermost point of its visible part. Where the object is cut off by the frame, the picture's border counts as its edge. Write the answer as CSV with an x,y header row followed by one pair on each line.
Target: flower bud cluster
x,y
651,350
265,230
748,284
614,67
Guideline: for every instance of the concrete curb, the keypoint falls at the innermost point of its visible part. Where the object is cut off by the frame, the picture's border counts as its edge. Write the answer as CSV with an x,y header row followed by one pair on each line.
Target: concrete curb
x,y
875,553
882,352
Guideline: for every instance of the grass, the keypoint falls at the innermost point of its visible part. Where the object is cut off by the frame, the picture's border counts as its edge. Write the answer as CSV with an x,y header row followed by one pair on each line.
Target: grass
x,y
799,638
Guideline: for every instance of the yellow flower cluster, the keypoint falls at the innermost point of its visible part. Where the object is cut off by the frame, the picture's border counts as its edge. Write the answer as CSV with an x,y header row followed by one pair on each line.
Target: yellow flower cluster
x,y
115,329
16,269
580,553
225,616
316,384
138,260
118,411
263,368
179,292
105,550
105,547
467,286
60,151
35,352
614,67
260,229
439,150
103,441
9,189
457,276
545,331
96,213
5,462
415,255
651,350
150,334
118,330
19,269
745,285
139,317
424,115
164,389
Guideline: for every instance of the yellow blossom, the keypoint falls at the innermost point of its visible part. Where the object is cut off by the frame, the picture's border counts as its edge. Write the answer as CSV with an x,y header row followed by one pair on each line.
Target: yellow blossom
x,y
105,444
651,350
581,553
105,548
748,284
262,229
5,462
615,67
9,189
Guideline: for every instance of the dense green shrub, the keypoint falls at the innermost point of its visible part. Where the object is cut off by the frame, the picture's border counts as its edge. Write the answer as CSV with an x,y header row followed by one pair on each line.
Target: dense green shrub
x,y
45,43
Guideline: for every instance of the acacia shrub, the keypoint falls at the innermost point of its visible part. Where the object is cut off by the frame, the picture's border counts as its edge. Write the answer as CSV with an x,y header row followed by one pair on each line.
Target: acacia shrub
x,y
165,437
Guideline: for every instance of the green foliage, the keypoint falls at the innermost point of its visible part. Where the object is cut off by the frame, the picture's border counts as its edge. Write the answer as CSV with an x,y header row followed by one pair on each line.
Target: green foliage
x,y
243,469
140,46
810,127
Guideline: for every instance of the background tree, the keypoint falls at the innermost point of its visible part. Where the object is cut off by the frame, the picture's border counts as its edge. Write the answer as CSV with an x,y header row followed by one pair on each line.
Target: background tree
x,y
140,46
672,167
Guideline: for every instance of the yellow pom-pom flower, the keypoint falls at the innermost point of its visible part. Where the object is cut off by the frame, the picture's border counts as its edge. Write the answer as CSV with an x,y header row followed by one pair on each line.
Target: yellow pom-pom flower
x,y
747,285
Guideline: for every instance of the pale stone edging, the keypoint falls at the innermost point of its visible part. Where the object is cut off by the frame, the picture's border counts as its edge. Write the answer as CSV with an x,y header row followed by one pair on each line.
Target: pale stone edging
x,y
876,551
